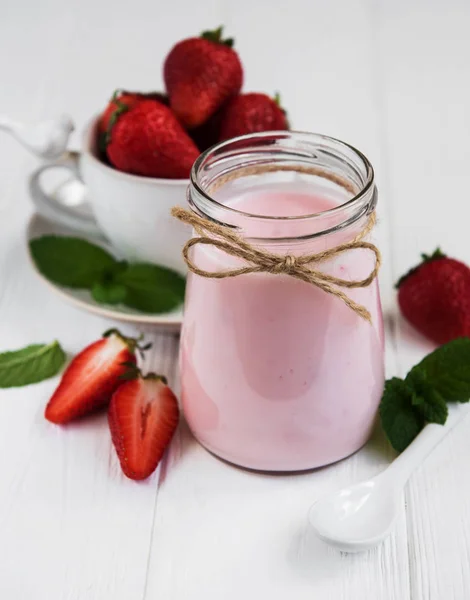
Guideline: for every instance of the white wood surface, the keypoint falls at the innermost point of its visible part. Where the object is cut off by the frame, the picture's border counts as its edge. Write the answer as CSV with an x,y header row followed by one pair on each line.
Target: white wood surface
x,y
392,78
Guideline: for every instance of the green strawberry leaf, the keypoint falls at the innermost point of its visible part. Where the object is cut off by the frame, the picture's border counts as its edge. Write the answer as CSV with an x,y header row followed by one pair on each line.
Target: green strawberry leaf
x,y
31,364
109,292
427,400
400,419
151,288
435,255
447,370
70,261
119,110
215,36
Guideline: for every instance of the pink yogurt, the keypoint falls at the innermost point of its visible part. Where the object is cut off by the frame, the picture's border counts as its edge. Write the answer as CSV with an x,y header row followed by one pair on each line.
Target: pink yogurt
x,y
277,374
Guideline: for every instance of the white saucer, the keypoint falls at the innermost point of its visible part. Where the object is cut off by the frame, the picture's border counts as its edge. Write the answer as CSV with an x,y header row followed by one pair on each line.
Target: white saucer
x,y
39,226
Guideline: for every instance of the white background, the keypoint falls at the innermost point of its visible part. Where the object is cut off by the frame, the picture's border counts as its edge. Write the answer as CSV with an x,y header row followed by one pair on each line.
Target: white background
x,y
390,77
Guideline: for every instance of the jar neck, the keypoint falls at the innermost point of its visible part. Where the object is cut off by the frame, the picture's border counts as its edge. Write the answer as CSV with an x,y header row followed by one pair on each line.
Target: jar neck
x,y
284,160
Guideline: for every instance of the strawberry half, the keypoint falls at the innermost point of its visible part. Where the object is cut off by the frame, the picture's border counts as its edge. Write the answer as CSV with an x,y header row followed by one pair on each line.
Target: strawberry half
x,y
143,415
91,378
435,298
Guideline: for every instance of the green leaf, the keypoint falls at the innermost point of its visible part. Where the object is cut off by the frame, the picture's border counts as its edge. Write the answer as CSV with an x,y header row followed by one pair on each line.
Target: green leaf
x,y
427,400
109,292
151,288
435,255
400,419
70,261
76,263
215,36
447,370
120,109
31,364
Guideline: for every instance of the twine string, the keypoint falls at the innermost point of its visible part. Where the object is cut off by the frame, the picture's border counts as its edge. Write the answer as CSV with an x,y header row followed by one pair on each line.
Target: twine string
x,y
260,260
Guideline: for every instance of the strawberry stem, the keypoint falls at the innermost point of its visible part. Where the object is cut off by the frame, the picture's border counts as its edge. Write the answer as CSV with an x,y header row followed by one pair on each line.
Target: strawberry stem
x,y
116,94
277,100
112,331
435,255
120,109
156,377
133,372
132,343
215,35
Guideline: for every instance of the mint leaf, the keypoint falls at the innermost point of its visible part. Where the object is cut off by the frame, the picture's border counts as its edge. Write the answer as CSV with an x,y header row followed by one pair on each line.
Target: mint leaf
x,y
109,292
442,376
69,261
151,288
400,419
447,370
76,263
31,364
426,398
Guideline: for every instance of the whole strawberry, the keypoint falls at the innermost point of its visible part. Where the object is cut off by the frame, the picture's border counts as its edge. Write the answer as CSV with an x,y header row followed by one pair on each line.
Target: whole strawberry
x,y
200,75
251,113
123,100
435,298
148,140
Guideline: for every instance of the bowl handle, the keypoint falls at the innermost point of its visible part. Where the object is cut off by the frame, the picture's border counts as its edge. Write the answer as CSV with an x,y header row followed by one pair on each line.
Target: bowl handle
x,y
68,211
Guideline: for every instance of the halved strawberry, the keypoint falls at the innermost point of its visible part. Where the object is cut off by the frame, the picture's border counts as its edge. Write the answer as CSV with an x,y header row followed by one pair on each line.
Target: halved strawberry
x,y
91,378
143,415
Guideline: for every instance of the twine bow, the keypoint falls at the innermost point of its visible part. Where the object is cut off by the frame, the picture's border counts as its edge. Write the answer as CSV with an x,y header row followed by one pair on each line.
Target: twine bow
x,y
262,261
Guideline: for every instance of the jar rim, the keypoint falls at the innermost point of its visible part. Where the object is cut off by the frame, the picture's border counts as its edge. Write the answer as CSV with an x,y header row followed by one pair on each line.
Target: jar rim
x,y
364,200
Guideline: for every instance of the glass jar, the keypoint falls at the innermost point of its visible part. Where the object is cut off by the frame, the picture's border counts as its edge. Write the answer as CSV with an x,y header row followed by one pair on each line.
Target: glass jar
x,y
277,374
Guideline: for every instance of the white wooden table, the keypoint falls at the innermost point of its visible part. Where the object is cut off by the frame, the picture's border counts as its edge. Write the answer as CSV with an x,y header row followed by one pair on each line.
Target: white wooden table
x,y
390,77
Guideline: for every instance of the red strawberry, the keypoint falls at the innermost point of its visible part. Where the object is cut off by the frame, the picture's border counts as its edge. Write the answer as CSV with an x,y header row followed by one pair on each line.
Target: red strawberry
x,y
207,134
91,378
251,113
435,298
148,140
119,102
143,415
122,101
200,75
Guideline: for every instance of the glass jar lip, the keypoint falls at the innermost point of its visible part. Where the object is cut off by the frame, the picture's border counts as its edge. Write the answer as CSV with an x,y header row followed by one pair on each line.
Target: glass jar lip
x,y
291,134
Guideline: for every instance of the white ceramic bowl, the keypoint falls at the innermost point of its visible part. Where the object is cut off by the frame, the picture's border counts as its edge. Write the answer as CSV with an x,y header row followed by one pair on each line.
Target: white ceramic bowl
x,y
130,211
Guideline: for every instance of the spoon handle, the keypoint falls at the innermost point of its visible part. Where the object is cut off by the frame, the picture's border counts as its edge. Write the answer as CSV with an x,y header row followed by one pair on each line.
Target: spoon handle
x,y
404,465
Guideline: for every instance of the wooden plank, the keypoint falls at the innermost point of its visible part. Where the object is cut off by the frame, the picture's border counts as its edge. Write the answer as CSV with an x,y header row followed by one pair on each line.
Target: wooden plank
x,y
426,99
71,525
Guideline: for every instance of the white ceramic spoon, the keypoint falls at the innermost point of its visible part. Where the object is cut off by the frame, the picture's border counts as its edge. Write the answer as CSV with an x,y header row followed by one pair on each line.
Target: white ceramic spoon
x,y
359,517
47,139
